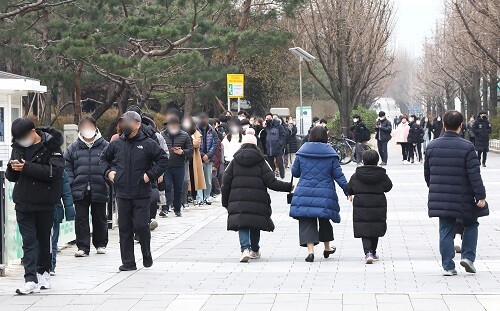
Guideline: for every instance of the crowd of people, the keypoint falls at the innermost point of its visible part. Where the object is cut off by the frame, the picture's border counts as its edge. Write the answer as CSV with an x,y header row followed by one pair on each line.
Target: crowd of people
x,y
195,159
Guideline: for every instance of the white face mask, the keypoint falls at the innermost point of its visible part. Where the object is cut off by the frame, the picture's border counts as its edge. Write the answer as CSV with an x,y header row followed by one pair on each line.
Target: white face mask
x,y
418,122
241,118
87,133
355,120
27,142
411,119
439,119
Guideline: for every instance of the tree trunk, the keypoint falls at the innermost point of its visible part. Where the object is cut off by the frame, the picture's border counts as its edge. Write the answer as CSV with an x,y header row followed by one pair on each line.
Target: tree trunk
x,y
493,103
245,15
484,94
78,94
189,101
111,100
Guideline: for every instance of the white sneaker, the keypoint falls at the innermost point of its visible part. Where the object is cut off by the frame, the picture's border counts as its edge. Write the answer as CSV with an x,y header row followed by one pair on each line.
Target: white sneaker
x,y
245,256
52,273
101,250
44,280
186,207
28,288
450,272
153,224
81,253
254,255
468,265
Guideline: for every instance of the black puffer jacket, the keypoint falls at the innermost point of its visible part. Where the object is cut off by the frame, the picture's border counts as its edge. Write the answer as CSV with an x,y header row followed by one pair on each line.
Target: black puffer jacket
x,y
482,130
368,185
384,131
131,159
292,141
416,134
38,185
452,172
183,140
84,169
244,191
437,128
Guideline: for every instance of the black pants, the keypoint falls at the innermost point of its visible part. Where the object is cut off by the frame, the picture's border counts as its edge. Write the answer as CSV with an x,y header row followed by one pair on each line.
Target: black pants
x,y
405,150
279,162
133,216
153,205
382,149
417,148
35,229
484,154
309,233
370,245
99,223
472,140
174,182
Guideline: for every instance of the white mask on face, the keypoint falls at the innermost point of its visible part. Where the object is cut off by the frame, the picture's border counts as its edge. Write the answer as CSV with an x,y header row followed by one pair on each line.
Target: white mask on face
x,y
439,119
411,119
241,118
355,120
88,133
418,122
27,142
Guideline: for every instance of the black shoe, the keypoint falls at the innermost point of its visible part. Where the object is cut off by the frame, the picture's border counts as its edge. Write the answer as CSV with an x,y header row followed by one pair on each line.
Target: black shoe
x,y
178,214
207,202
147,261
136,237
484,165
163,213
125,268
327,254
310,258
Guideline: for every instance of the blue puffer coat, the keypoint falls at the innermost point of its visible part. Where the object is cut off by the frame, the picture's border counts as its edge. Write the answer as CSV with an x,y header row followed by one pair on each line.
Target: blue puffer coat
x,y
452,172
317,165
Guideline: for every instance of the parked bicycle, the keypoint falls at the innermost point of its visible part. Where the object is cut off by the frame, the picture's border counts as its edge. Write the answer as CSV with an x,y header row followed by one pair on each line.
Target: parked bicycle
x,y
345,148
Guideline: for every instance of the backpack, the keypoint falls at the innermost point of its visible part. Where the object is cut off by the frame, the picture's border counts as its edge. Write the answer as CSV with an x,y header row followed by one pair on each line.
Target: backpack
x,y
365,134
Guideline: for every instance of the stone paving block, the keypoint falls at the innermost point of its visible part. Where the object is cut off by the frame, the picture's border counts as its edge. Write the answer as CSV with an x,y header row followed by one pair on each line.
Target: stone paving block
x,y
428,304
359,299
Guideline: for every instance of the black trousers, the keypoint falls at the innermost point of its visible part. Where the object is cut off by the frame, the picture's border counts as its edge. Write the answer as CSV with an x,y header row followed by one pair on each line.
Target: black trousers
x,y
309,233
417,148
405,151
484,154
382,149
370,245
35,229
279,162
153,205
99,223
133,216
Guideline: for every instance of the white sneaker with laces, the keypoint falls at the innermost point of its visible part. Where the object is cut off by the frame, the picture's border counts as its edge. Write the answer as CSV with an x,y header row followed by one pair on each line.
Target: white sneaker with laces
x,y
468,265
101,250
245,256
254,255
28,288
44,280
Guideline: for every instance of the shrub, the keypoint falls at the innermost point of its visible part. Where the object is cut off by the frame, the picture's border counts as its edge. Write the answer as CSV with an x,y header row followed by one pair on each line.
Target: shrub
x,y
495,124
368,116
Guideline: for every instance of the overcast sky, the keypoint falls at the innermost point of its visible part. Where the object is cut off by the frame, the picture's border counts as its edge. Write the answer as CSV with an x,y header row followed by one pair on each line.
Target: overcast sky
x,y
416,19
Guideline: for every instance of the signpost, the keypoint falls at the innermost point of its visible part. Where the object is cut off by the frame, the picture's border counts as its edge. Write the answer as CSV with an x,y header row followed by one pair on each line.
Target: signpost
x,y
235,88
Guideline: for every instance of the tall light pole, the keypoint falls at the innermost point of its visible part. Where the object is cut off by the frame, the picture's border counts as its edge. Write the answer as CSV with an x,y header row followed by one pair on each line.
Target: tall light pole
x,y
303,56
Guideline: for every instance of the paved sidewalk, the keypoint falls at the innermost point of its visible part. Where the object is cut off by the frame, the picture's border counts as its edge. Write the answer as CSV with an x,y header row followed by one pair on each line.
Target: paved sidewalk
x,y
196,264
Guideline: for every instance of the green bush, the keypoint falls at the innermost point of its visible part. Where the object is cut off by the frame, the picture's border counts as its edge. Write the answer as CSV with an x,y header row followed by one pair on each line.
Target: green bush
x,y
368,116
495,124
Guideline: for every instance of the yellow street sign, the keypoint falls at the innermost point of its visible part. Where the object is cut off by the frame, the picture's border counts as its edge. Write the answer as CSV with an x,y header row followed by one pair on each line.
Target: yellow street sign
x,y
235,85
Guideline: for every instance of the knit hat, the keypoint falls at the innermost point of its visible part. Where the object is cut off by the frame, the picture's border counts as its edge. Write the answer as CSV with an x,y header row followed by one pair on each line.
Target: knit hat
x,y
249,138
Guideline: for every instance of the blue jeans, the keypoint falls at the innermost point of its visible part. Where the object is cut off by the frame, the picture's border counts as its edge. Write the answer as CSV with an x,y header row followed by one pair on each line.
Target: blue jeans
x,y
207,173
249,239
54,241
447,235
174,184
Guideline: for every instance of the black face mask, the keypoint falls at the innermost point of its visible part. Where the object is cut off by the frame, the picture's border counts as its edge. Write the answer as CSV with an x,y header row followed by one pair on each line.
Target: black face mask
x,y
269,122
127,130
484,117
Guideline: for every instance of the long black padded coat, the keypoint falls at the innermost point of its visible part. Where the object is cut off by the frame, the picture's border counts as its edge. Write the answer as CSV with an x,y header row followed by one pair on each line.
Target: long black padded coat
x,y
368,185
452,172
244,191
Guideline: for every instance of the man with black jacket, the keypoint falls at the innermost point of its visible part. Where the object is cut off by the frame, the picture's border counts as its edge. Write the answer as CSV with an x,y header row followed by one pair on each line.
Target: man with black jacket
x,y
384,129
36,166
361,136
456,191
131,163
180,147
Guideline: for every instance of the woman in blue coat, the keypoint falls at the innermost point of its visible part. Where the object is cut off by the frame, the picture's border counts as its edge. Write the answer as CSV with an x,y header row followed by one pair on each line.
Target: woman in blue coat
x,y
315,199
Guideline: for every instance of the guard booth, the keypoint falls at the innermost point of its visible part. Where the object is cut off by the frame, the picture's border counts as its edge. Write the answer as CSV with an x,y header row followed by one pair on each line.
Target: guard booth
x,y
12,89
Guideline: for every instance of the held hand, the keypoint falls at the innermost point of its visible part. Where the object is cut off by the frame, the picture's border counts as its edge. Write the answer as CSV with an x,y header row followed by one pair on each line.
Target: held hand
x,y
205,158
146,178
111,176
160,179
349,198
481,203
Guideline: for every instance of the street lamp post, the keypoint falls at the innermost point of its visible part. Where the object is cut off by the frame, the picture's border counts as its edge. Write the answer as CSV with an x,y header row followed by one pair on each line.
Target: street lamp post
x,y
303,56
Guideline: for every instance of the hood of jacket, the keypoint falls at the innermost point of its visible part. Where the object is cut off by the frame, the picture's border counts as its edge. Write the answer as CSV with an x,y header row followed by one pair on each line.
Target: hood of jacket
x,y
248,156
97,138
370,174
317,150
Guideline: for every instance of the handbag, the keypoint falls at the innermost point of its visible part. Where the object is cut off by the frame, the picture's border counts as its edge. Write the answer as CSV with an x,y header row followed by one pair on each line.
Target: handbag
x,y
289,195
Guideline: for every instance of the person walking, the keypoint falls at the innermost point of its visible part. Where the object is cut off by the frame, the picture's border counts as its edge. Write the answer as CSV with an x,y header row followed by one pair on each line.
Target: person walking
x,y
88,187
315,200
131,163
470,125
427,126
437,127
383,136
462,196
36,167
208,147
361,136
292,142
63,209
401,137
232,142
275,144
244,195
180,146
415,140
368,185
482,130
